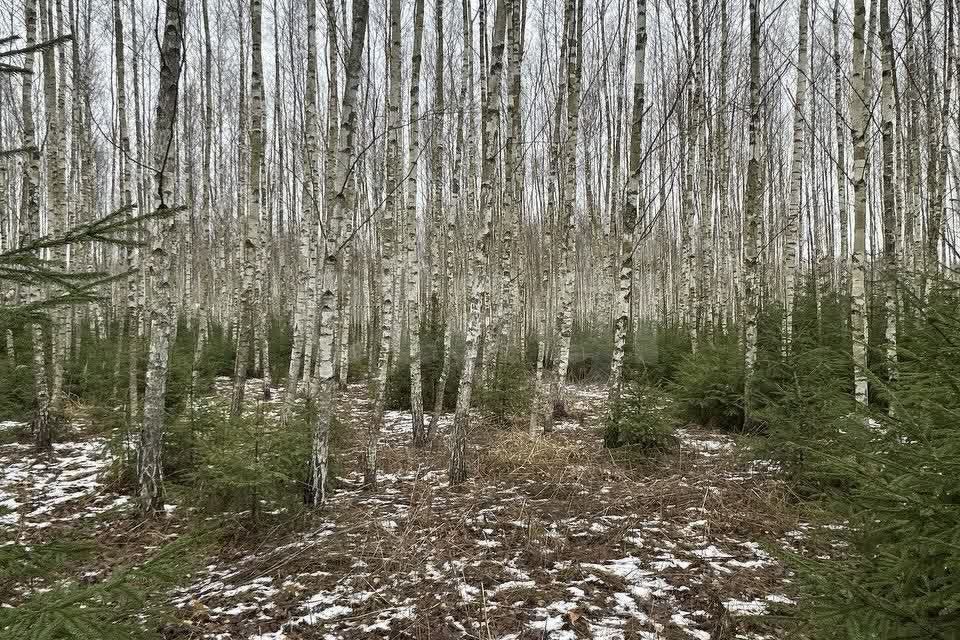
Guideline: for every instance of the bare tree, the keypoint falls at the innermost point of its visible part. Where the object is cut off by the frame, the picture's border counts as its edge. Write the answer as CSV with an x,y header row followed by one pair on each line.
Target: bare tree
x,y
161,309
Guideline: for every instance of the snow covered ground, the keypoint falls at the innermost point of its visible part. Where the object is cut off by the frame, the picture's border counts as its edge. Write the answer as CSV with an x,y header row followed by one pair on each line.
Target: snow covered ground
x,y
39,491
528,548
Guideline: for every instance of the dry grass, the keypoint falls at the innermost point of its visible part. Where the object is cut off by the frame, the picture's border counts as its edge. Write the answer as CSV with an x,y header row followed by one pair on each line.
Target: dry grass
x,y
557,511
515,453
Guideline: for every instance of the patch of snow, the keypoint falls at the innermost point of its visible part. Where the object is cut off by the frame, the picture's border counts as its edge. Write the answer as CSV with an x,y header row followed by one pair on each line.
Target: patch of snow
x,y
746,608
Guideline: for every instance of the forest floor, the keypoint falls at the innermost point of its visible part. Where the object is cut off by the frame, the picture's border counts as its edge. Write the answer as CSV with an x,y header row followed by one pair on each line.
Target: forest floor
x,y
551,539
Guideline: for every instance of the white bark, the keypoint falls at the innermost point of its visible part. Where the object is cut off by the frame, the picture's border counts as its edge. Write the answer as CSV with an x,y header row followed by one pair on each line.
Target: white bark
x,y
341,202
751,216
630,208
457,471
162,318
859,119
792,238
413,263
387,236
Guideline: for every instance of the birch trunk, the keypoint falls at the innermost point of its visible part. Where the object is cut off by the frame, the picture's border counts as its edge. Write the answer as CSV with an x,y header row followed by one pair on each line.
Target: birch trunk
x,y
30,198
564,322
387,236
259,218
936,137
512,194
540,409
751,217
631,206
842,207
459,206
491,146
250,247
126,199
796,177
413,264
341,202
443,310
858,118
57,217
149,469
890,266
302,326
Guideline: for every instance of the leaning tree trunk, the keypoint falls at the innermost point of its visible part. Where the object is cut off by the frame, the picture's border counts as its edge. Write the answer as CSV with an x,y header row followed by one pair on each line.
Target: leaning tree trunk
x,y
149,470
457,470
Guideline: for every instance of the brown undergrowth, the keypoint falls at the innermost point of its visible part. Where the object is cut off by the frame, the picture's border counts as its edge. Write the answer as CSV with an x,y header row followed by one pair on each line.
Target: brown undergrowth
x,y
551,538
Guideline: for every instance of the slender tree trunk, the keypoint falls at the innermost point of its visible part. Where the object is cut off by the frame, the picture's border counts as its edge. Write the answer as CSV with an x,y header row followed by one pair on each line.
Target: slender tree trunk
x,y
859,120
937,127
413,263
206,206
843,212
149,469
796,178
442,308
250,247
387,236
30,197
302,323
753,205
56,204
260,227
890,265
341,202
631,207
126,200
457,470
564,323
541,408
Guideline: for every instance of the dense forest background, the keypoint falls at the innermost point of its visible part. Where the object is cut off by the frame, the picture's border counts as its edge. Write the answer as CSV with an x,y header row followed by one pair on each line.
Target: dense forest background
x,y
277,272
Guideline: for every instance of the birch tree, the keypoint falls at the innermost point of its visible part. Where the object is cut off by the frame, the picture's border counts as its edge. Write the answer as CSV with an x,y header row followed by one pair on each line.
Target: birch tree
x,y
890,225
413,265
631,206
149,468
250,247
30,207
796,176
564,321
387,237
341,202
490,127
302,321
859,120
751,214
